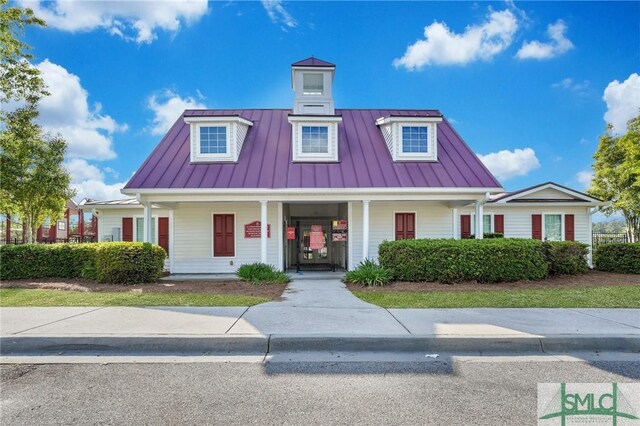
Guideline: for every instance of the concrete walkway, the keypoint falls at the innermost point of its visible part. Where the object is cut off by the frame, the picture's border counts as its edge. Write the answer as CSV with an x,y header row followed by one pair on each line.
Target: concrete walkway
x,y
318,315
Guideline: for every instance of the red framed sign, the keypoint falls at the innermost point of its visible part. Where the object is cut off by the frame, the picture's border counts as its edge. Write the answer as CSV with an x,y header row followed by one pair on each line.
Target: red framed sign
x,y
291,233
252,230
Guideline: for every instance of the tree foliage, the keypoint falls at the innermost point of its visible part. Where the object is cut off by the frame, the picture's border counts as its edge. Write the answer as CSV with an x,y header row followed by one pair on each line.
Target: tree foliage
x,y
35,185
617,175
19,80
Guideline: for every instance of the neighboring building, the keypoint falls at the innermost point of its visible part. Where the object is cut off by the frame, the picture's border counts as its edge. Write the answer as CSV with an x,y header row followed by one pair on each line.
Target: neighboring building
x,y
78,224
318,186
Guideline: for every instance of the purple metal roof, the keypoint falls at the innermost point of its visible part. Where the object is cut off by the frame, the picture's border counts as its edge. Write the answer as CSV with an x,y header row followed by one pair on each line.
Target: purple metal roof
x,y
313,62
265,159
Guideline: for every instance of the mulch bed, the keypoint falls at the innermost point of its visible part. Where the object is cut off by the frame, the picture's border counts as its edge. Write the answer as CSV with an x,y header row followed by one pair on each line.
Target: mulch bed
x,y
210,287
590,279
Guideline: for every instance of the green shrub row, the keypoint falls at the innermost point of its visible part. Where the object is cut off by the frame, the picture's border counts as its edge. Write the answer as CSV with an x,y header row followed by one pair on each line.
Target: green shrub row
x,y
369,273
261,273
484,261
618,257
116,262
489,235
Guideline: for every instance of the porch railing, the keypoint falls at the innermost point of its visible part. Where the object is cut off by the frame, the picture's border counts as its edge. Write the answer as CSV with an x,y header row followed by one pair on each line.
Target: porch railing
x,y
600,238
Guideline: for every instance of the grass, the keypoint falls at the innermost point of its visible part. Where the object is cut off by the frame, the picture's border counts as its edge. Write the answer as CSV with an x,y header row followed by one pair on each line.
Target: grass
x,y
594,297
29,297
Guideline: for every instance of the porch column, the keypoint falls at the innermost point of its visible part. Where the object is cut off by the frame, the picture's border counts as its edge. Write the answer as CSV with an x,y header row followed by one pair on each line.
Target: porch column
x,y
146,234
479,220
365,229
263,231
454,219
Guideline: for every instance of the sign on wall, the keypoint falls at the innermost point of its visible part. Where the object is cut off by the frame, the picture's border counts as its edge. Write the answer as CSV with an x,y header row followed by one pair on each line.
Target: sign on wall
x,y
316,237
339,237
339,225
291,233
252,230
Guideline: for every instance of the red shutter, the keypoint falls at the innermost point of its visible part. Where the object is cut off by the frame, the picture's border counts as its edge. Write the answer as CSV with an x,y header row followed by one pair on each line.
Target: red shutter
x,y
465,226
569,234
163,233
536,226
39,234
405,226
53,230
223,235
127,229
8,230
498,224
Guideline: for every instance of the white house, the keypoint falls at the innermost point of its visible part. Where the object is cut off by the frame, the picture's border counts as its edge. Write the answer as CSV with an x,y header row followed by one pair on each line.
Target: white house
x,y
319,187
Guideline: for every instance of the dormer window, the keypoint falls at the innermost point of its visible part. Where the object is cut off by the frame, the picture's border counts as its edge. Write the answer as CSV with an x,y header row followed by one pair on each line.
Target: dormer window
x,y
312,83
411,138
414,139
314,138
218,138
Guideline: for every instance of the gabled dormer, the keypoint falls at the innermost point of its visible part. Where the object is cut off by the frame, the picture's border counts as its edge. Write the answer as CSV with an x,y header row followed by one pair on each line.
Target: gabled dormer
x,y
314,124
312,81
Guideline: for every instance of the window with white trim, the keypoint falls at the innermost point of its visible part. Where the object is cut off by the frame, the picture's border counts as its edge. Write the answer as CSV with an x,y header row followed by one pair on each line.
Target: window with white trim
x,y
487,223
552,230
315,139
140,229
414,139
312,83
213,140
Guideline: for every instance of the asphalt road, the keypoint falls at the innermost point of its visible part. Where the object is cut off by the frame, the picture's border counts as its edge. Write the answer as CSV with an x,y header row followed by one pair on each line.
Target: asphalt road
x,y
439,392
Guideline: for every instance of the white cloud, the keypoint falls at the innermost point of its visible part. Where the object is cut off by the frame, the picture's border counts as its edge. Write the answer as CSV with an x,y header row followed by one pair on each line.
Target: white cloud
x,y
507,164
167,107
66,111
585,177
623,102
81,170
96,189
441,46
573,86
132,20
558,45
279,14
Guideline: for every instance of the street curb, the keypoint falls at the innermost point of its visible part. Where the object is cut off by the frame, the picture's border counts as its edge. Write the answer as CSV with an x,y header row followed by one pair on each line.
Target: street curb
x,y
277,343
115,345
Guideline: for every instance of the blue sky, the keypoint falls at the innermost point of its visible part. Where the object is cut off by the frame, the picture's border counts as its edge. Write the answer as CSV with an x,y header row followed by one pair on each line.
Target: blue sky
x,y
526,84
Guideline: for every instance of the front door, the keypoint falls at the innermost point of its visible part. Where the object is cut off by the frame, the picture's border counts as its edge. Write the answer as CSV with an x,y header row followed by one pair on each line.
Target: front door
x,y
314,240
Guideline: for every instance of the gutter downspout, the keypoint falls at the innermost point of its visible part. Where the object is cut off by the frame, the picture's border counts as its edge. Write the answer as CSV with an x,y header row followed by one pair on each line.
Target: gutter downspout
x,y
479,234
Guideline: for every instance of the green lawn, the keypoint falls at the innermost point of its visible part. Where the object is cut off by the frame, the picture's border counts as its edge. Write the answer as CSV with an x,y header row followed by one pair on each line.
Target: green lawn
x,y
594,297
28,297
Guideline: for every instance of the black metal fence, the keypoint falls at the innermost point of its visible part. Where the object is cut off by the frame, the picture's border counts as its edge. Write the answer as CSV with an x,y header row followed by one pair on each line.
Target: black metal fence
x,y
609,237
45,240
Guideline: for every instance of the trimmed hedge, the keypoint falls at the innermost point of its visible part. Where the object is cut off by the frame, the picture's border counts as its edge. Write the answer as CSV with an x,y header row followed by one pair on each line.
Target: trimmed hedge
x,y
451,261
489,235
623,258
118,263
566,257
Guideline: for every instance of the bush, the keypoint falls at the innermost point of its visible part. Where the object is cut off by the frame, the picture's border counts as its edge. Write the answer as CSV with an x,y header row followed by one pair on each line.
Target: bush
x,y
261,273
90,261
129,263
489,235
565,257
451,261
368,273
623,258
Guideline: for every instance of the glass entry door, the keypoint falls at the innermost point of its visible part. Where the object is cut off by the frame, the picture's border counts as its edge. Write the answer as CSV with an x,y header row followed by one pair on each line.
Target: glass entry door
x,y
314,242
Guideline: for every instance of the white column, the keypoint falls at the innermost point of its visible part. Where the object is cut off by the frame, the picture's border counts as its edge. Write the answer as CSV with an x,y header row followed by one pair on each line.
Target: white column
x,y
479,220
365,229
263,231
146,234
350,228
454,219
280,236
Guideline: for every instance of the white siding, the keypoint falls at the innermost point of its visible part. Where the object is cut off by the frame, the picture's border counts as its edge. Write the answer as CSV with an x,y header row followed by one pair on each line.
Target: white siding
x,y
110,220
193,239
517,220
547,194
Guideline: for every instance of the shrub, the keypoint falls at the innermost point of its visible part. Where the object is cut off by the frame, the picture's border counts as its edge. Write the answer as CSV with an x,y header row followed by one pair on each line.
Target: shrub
x,y
129,263
451,261
90,261
489,235
368,273
565,257
618,257
261,273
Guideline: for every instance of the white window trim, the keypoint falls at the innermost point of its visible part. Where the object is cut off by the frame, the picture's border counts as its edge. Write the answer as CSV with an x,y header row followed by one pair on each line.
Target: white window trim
x,y
543,233
473,223
135,228
321,74
395,143
297,123
393,222
230,123
235,237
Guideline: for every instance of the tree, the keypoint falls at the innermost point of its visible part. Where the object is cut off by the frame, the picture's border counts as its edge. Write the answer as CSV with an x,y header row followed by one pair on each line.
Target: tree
x,y
35,185
19,80
617,175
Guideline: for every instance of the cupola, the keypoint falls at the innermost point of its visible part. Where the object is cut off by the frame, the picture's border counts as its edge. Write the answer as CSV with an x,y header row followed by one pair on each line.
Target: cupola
x,y
312,81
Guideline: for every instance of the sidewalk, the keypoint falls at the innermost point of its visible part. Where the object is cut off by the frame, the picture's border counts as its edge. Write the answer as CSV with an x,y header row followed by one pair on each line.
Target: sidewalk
x,y
314,316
